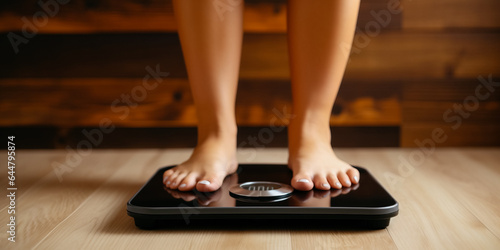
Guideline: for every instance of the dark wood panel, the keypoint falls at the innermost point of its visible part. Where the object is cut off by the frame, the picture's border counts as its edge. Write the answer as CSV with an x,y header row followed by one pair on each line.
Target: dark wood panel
x,y
85,16
468,111
453,90
486,112
116,55
87,101
427,55
451,102
439,101
443,14
35,137
421,65
389,56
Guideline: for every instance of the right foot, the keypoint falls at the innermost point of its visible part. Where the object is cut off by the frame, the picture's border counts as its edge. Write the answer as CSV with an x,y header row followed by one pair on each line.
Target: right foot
x,y
212,160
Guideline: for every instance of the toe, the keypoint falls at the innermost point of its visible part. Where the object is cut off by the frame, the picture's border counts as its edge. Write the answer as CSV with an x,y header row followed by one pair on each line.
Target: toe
x,y
170,179
188,183
167,174
344,179
175,182
334,181
321,183
353,175
302,182
209,183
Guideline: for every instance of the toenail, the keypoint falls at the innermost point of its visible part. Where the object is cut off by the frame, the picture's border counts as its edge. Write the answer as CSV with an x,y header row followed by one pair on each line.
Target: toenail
x,y
356,178
326,185
204,182
303,180
168,182
173,184
348,183
182,185
165,179
338,184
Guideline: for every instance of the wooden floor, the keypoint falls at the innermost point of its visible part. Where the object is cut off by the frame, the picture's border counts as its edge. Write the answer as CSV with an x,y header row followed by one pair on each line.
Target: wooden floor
x,y
449,200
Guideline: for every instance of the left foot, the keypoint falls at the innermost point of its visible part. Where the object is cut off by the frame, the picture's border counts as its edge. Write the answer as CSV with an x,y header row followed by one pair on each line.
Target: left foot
x,y
313,162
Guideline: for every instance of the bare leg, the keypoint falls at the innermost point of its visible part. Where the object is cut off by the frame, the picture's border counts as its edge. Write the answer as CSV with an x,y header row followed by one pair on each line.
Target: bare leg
x,y
317,34
212,48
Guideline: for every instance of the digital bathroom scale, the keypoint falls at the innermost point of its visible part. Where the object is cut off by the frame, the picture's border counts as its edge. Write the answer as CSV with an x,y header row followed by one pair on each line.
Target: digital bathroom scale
x,y
260,194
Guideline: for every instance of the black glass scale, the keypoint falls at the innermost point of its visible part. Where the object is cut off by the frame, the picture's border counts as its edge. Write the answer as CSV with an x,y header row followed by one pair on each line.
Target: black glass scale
x,y
260,194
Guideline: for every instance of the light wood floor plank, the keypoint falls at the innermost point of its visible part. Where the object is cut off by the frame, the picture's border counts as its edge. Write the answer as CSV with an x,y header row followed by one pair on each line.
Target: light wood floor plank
x,y
475,183
49,201
112,228
430,216
450,201
340,239
32,169
31,165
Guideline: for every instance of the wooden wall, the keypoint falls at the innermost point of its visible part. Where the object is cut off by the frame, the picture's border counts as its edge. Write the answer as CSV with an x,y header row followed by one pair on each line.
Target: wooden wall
x,y
405,72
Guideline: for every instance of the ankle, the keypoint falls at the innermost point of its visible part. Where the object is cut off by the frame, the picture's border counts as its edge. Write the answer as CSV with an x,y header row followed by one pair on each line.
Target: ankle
x,y
226,133
306,132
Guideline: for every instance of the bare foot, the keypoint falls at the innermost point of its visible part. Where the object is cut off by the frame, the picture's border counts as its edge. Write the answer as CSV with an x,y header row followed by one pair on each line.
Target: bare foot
x,y
219,198
212,160
313,162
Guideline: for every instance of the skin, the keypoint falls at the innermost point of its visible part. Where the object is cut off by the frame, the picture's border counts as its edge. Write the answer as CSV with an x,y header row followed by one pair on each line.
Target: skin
x,y
316,32
211,39
212,51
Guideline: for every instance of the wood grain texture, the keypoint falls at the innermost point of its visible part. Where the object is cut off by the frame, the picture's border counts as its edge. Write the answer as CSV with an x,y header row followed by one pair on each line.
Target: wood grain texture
x,y
466,111
426,59
390,56
81,17
88,101
450,14
31,175
449,201
431,216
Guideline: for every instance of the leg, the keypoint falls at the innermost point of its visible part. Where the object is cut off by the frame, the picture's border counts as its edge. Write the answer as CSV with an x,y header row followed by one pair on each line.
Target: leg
x,y
317,34
212,49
